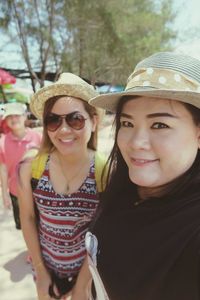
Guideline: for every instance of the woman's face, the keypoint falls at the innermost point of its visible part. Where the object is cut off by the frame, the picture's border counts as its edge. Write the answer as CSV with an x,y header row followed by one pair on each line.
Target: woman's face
x,y
158,140
69,141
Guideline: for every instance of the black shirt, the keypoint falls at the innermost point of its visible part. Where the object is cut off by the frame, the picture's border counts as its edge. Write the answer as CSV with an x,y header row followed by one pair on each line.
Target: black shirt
x,y
150,251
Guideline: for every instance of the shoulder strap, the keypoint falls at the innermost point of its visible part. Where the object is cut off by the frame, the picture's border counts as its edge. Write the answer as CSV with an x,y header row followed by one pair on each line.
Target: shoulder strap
x,y
100,161
38,165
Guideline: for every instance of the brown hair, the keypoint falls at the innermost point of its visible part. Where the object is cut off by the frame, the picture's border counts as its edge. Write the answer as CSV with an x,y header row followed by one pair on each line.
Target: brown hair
x,y
46,145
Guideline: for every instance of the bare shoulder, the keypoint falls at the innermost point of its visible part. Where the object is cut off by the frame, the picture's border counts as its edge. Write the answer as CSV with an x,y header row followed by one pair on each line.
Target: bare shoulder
x,y
25,169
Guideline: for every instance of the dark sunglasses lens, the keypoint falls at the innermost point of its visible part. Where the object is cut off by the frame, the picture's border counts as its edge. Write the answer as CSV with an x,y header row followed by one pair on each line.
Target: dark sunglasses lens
x,y
75,121
52,122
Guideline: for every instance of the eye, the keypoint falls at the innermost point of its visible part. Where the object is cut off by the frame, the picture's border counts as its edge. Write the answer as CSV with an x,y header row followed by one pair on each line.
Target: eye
x,y
77,116
52,118
126,124
159,125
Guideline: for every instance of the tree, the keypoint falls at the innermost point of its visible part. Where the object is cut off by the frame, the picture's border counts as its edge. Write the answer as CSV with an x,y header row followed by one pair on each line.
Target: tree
x,y
95,42
37,27
98,40
143,28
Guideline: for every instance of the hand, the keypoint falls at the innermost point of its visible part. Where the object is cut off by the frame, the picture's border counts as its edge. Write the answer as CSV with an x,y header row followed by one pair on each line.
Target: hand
x,y
43,281
67,296
80,294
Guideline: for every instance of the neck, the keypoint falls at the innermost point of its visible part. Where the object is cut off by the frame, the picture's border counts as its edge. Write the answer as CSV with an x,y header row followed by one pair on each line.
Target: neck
x,y
75,158
73,170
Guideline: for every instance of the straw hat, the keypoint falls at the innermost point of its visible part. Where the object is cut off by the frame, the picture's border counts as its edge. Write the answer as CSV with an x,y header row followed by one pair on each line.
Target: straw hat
x,y
163,75
68,84
14,109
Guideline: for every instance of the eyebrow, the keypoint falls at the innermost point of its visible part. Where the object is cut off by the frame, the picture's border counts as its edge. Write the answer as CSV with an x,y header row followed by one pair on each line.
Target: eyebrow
x,y
73,112
149,116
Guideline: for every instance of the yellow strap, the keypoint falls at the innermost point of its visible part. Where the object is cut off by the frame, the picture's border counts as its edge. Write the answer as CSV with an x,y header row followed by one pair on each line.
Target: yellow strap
x,y
38,166
100,161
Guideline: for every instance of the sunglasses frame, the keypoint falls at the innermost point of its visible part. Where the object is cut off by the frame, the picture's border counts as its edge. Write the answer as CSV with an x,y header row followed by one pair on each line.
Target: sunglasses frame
x,y
65,117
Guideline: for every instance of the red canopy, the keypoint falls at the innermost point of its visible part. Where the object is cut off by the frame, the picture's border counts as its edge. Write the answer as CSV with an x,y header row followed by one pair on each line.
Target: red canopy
x,y
6,77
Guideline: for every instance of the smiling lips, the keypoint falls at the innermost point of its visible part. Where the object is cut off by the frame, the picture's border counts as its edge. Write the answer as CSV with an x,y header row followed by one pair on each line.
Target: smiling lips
x,y
142,162
66,141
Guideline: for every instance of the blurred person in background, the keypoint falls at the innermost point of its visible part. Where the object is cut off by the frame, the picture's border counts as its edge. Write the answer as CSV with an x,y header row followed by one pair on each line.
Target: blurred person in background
x,y
3,126
13,146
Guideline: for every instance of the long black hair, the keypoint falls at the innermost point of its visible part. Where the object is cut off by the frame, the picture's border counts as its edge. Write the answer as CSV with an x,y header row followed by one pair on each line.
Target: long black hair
x,y
119,187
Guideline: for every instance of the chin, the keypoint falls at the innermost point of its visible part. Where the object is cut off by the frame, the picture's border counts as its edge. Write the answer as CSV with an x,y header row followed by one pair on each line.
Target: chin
x,y
144,182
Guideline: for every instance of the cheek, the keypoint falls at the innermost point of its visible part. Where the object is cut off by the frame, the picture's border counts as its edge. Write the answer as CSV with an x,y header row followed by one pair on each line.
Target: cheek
x,y
170,143
180,152
50,135
9,120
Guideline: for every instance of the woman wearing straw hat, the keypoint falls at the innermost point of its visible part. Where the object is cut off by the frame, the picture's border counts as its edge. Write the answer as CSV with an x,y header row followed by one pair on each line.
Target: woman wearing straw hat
x,y
145,242
57,206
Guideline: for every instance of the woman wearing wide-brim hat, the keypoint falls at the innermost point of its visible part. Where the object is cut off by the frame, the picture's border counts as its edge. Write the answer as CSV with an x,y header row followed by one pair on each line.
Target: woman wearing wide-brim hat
x,y
145,243
59,189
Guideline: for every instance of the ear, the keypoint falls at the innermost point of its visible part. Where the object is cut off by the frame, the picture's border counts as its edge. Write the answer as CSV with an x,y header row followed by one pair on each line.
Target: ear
x,y
95,121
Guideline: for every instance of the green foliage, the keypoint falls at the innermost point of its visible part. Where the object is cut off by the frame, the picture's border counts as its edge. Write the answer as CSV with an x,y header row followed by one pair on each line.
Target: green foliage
x,y
98,40
18,97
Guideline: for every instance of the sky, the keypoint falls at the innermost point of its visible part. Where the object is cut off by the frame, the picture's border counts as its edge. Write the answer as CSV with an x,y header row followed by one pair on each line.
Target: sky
x,y
187,24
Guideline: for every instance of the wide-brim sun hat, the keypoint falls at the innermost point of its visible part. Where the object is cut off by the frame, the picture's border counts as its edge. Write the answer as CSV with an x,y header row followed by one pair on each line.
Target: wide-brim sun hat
x,y
166,75
68,84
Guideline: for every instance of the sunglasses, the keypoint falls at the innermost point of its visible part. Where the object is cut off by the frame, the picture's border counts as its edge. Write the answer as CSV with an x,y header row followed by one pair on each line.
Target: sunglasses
x,y
75,120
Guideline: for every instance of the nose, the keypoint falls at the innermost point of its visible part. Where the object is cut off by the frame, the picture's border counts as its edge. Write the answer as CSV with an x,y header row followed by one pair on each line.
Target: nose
x,y
64,126
140,139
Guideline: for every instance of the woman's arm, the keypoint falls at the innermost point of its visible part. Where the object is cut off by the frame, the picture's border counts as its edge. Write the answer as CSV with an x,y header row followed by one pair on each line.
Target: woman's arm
x,y
4,186
82,288
29,229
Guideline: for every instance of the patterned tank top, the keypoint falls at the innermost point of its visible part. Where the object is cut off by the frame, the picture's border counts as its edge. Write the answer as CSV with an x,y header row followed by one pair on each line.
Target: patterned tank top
x,y
64,221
